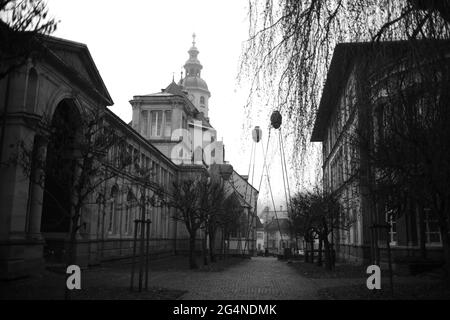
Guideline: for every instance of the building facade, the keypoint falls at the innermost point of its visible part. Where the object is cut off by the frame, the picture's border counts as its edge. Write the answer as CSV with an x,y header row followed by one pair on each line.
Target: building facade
x,y
62,85
344,114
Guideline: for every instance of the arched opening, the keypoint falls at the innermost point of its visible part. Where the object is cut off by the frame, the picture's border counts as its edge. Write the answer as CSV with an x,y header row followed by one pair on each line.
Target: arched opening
x,y
30,102
59,177
113,210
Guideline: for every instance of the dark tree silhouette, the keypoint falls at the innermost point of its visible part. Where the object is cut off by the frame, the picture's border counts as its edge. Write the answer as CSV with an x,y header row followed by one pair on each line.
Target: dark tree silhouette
x,y
291,43
21,24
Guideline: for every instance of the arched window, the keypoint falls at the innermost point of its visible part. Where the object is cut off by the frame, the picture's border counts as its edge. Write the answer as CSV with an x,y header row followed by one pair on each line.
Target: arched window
x,y
129,205
202,100
113,203
31,91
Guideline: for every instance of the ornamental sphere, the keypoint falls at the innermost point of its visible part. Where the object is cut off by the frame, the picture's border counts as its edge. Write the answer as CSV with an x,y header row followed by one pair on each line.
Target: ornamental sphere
x,y
276,119
257,134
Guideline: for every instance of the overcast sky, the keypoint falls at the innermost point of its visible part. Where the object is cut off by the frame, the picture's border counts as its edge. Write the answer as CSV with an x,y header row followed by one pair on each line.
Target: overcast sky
x,y
139,45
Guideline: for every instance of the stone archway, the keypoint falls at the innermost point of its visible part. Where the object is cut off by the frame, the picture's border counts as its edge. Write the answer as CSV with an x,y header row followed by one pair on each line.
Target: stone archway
x,y
59,175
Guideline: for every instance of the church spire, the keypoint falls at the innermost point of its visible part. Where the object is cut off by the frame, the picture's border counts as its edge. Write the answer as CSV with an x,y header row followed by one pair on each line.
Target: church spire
x,y
193,65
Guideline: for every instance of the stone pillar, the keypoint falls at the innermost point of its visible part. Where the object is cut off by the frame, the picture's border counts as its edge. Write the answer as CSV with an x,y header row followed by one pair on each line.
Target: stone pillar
x,y
37,188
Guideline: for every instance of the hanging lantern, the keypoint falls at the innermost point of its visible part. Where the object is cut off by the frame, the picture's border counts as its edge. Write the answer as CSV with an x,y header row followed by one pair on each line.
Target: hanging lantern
x,y
275,119
257,134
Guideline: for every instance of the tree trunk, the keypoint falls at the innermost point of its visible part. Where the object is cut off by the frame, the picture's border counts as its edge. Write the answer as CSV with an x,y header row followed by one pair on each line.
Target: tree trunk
x,y
319,257
212,236
192,262
305,250
328,258
328,263
204,249
222,244
446,250
422,236
71,247
311,244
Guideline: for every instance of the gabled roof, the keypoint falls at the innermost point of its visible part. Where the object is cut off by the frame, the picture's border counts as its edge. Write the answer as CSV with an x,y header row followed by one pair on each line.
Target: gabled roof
x,y
77,62
259,225
282,224
175,89
72,59
345,56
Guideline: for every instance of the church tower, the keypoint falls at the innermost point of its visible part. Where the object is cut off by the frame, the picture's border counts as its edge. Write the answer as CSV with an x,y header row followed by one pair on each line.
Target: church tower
x,y
196,87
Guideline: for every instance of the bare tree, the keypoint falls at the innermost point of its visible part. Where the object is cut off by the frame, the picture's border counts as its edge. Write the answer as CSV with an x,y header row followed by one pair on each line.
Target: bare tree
x,y
403,138
232,217
316,215
187,197
291,43
212,208
81,156
21,24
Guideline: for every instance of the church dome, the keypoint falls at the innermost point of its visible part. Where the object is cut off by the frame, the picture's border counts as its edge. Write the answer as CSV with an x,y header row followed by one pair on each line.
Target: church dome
x,y
194,83
193,69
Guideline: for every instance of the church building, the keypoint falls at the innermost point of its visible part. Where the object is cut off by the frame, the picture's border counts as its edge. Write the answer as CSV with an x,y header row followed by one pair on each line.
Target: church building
x,y
170,134
176,120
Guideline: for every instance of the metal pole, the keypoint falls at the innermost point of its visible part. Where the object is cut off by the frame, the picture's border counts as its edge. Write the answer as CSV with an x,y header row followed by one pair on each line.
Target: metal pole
x,y
147,224
134,254
389,261
141,248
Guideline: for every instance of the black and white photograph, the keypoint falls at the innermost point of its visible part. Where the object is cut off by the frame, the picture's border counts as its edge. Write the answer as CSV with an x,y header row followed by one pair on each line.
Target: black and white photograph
x,y
246,152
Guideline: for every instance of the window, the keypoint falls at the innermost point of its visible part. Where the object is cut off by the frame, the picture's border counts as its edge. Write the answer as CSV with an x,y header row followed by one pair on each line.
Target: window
x,y
337,172
135,158
164,175
156,123
127,217
128,208
355,226
167,123
390,219
154,171
130,154
183,122
142,161
157,173
113,208
144,123
432,232
202,100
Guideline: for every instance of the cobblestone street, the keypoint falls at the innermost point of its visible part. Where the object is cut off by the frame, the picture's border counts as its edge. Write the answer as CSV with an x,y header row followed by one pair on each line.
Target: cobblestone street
x,y
258,278
235,278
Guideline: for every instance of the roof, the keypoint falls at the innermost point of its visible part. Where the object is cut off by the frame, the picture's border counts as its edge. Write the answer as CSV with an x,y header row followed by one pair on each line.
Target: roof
x,y
111,116
195,83
345,56
175,89
71,58
259,224
282,224
77,61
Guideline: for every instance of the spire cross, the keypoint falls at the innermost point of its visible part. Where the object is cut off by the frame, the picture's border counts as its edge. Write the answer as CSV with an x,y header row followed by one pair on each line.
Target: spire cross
x,y
193,39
